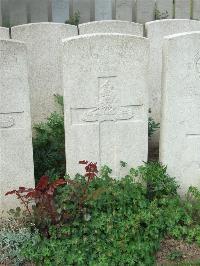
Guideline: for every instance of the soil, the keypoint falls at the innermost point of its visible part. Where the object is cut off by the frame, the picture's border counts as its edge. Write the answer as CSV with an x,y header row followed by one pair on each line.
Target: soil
x,y
189,253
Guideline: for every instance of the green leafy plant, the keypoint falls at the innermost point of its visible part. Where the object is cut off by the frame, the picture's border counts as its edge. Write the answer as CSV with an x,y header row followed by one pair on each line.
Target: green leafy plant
x,y
161,15
75,19
175,255
49,145
109,222
152,127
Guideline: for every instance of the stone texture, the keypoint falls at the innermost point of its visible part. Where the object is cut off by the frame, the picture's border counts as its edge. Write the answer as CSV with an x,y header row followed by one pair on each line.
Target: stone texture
x,y
83,7
163,6
16,155
17,12
156,31
60,10
125,10
103,9
145,10
180,129
4,33
1,19
39,10
105,95
111,26
182,9
196,9
45,63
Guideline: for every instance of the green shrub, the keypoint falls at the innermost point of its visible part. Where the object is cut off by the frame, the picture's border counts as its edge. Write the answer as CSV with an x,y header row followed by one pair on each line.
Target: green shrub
x,y
49,145
75,19
117,224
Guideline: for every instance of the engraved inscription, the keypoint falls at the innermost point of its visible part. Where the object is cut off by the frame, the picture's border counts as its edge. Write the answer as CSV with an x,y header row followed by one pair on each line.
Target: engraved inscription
x,y
197,63
8,120
109,108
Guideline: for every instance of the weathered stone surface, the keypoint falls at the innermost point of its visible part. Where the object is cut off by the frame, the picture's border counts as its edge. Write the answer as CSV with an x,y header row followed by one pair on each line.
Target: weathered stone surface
x,y
4,33
125,10
60,10
145,10
39,10
1,20
45,63
103,9
105,96
111,26
156,31
182,9
196,9
180,128
165,8
17,12
83,7
16,155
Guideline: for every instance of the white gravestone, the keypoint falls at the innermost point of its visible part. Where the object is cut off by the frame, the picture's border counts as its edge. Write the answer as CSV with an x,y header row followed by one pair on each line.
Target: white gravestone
x,y
60,10
18,13
111,26
83,7
103,9
4,33
16,163
145,10
165,8
125,10
156,31
180,128
44,42
196,9
105,95
182,9
39,10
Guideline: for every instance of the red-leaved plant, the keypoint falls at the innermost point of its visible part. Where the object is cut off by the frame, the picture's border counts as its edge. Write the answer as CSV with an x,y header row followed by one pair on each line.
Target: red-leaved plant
x,y
41,199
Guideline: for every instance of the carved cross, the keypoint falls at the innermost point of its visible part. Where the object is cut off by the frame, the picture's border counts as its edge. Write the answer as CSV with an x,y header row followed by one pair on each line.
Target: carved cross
x,y
108,108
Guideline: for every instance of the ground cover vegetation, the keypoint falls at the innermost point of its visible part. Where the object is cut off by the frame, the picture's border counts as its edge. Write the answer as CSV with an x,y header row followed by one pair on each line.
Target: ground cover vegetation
x,y
93,219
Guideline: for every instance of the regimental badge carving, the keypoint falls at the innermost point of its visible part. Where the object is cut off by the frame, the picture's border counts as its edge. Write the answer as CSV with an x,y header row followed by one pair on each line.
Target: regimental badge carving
x,y
6,121
109,108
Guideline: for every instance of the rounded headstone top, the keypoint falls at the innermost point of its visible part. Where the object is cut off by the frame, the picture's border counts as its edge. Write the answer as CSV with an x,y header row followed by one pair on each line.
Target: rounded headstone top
x,y
111,26
104,35
171,21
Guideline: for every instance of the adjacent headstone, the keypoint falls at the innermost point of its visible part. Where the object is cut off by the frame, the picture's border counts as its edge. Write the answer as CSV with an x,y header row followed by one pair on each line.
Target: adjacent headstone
x,y
180,128
125,10
145,10
111,26
39,10
105,95
60,10
18,13
182,8
196,9
83,7
164,9
156,31
4,33
16,154
103,9
45,63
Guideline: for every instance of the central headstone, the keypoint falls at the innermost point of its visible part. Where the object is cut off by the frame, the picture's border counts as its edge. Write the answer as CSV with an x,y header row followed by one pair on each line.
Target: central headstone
x,y
44,42
103,9
105,97
16,154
